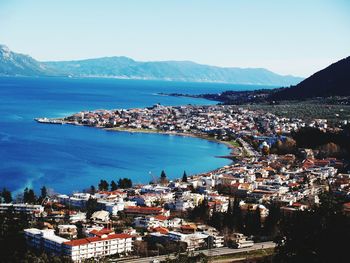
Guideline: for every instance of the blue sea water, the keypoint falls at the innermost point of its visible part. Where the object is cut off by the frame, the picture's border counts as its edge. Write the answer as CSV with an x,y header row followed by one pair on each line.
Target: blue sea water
x,y
69,158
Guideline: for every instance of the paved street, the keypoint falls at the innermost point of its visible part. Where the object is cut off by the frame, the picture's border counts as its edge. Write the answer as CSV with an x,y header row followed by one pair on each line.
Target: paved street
x,y
211,252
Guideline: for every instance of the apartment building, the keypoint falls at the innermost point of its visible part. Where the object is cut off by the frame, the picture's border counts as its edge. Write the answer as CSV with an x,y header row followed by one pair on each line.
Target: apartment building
x,y
79,249
95,247
22,208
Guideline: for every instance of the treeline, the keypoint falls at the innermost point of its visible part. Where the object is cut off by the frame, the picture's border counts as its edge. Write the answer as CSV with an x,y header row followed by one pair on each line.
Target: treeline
x,y
12,243
318,235
331,144
28,196
122,183
235,220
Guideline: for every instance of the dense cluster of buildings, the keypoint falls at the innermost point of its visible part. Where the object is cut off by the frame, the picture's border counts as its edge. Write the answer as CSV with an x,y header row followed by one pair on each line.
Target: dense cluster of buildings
x,y
221,121
157,211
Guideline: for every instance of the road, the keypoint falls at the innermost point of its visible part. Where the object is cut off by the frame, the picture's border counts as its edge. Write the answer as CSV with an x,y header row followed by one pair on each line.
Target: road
x,y
209,252
248,148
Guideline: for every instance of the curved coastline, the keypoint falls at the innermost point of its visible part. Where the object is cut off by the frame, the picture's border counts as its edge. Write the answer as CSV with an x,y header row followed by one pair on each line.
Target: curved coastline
x,y
230,157
119,129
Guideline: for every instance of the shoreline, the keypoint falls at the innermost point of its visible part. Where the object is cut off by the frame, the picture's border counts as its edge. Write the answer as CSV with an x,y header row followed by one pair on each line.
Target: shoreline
x,y
131,130
231,155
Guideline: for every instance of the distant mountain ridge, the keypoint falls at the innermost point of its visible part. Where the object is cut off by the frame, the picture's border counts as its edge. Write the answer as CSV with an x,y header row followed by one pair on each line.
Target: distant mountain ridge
x,y
14,64
333,80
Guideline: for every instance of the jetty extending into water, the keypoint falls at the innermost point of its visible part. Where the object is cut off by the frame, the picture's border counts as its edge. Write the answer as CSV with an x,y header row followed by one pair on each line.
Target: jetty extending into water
x,y
49,121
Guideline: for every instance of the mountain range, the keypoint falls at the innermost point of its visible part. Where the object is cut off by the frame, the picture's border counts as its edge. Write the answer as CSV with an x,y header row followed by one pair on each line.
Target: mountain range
x,y
15,64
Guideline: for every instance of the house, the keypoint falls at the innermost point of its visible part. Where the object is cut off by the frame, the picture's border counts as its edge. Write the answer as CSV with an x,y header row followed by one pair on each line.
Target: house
x,y
143,211
100,216
146,222
67,231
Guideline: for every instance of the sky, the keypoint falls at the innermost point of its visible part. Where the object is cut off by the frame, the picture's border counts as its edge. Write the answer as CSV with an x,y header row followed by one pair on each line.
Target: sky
x,y
297,37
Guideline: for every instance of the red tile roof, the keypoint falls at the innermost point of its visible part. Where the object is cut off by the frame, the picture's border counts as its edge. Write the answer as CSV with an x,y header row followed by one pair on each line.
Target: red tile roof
x,y
143,210
161,230
104,231
84,241
161,217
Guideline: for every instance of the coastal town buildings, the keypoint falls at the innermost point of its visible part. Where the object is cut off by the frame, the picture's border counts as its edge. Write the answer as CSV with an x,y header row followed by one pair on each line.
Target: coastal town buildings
x,y
159,212
99,245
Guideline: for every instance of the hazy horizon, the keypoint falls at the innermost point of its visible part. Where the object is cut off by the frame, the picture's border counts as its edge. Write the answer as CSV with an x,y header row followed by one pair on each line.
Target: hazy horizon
x,y
289,38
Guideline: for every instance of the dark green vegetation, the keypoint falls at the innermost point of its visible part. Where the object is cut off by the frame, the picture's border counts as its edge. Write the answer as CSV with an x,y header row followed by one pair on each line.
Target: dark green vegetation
x,y
6,196
185,258
13,64
308,110
12,243
103,185
319,235
335,144
329,144
235,220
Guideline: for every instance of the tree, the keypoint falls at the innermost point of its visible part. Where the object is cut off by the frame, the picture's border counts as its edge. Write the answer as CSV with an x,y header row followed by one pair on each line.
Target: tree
x,y
201,213
43,192
29,196
253,222
6,195
329,150
163,178
217,220
124,183
92,190
271,222
184,177
237,216
114,186
91,207
103,185
318,235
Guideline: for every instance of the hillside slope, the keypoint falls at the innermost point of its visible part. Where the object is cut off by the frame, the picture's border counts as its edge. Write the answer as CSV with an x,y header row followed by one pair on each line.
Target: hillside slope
x,y
334,80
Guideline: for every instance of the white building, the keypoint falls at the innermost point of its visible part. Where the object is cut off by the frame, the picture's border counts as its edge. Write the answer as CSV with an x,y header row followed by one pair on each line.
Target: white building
x,y
44,239
79,249
22,208
94,247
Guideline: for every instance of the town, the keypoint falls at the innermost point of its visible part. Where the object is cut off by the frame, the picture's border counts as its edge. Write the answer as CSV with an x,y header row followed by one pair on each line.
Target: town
x,y
234,207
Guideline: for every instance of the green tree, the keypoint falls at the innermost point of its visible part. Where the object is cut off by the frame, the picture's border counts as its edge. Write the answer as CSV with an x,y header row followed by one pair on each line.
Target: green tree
x,y
201,213
103,185
114,186
163,179
253,222
29,196
124,183
272,220
184,177
6,195
91,207
318,235
43,192
92,190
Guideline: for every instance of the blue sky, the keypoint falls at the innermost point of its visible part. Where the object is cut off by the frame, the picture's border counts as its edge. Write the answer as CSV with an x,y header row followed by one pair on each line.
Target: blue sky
x,y
295,37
